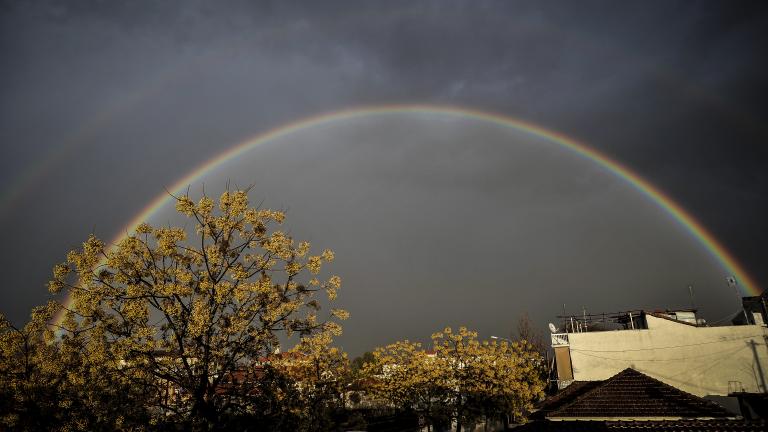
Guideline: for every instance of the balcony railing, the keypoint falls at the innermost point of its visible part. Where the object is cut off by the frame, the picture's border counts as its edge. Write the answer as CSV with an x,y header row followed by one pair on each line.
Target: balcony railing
x,y
559,339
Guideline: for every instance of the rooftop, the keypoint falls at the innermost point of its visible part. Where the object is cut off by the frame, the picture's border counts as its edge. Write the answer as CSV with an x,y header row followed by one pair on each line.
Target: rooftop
x,y
629,395
625,320
633,401
718,425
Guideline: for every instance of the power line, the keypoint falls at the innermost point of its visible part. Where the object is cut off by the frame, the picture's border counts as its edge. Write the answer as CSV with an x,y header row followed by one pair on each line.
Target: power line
x,y
729,316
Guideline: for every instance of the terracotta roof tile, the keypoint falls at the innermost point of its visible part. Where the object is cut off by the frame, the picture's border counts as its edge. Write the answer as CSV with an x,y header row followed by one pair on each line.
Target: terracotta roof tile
x,y
716,425
564,396
631,394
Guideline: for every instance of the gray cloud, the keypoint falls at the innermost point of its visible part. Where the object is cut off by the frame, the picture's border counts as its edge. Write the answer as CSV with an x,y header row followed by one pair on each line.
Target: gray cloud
x,y
105,103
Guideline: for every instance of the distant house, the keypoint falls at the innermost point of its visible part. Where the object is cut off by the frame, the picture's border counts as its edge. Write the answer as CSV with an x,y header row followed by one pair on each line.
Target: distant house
x,y
630,401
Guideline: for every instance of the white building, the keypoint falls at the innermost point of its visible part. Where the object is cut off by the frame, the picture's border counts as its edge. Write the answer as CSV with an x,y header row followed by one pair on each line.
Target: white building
x,y
674,347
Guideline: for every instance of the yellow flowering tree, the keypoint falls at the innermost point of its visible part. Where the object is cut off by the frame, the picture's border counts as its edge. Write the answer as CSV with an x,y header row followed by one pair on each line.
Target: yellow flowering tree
x,y
48,384
488,378
463,379
405,376
182,312
319,373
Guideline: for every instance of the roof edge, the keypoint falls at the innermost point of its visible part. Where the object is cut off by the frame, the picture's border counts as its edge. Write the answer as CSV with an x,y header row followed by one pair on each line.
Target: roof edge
x,y
638,419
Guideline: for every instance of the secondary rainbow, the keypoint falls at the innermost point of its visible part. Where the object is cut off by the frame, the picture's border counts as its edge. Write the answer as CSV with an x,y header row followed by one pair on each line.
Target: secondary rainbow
x,y
704,237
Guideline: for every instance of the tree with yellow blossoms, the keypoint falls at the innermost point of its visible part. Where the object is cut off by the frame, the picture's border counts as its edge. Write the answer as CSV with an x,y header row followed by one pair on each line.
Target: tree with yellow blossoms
x,y
182,313
319,373
463,379
405,376
51,384
488,378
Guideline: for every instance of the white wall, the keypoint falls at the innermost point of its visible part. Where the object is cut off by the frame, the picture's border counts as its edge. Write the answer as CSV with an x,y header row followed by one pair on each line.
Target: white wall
x,y
698,360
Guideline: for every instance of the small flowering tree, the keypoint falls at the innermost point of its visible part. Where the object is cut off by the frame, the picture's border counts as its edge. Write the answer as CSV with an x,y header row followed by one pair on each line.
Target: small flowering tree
x,y
53,384
181,312
487,378
463,379
319,373
405,376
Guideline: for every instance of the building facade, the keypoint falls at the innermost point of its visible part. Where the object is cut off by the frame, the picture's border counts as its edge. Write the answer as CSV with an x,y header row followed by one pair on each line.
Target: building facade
x,y
673,347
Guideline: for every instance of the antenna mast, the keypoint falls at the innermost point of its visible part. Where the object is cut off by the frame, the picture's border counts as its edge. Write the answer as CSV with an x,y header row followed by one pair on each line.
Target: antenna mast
x,y
690,291
733,284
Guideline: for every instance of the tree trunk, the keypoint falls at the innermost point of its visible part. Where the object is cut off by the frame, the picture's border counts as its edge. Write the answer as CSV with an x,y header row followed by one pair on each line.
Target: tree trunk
x,y
203,412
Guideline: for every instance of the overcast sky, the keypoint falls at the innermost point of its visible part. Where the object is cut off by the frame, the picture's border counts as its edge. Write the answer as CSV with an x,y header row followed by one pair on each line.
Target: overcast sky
x,y
436,221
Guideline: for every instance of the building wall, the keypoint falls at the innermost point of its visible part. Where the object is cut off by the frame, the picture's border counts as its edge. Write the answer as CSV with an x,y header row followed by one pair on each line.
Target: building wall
x,y
699,360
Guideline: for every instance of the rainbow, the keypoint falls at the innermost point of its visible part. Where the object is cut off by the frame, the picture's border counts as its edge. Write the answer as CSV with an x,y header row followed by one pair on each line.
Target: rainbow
x,y
704,237
80,136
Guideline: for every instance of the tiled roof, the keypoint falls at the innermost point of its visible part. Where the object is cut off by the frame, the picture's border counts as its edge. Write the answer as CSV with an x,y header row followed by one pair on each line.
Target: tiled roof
x,y
633,395
717,425
564,396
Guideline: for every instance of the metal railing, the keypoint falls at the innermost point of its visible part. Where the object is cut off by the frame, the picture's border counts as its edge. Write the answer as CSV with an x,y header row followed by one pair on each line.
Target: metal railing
x,y
559,339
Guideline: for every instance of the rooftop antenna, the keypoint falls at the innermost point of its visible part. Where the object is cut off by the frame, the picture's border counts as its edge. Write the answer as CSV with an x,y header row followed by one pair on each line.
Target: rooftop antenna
x,y
565,320
690,292
735,285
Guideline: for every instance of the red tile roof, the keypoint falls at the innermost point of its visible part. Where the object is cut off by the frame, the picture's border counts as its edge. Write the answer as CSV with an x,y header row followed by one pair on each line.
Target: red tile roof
x,y
716,425
563,397
632,395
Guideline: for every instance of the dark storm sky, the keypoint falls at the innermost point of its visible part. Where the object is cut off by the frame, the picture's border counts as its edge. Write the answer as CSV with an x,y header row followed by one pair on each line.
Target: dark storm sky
x,y
105,103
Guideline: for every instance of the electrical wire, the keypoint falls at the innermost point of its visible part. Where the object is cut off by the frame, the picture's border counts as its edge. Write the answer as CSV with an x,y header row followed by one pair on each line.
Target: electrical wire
x,y
729,316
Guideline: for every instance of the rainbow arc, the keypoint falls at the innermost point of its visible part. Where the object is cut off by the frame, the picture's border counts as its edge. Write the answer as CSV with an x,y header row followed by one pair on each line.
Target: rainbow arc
x,y
680,215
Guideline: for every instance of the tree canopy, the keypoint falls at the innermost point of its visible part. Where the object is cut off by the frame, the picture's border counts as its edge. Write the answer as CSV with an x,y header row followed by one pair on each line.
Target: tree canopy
x,y
185,328
177,314
462,379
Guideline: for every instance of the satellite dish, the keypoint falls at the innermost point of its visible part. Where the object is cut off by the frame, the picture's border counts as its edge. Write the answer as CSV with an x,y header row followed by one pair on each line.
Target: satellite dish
x,y
552,328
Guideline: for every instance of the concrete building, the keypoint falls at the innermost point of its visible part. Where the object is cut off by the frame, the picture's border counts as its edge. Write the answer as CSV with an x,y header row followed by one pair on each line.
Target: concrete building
x,y
675,347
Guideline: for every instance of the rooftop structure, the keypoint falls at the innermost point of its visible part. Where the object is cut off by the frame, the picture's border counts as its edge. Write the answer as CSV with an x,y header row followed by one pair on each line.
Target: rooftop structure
x,y
674,346
631,395
633,401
